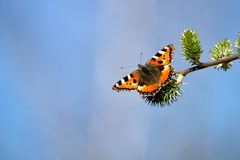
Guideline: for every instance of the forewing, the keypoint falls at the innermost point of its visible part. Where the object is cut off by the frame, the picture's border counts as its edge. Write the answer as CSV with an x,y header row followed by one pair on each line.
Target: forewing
x,y
162,57
127,83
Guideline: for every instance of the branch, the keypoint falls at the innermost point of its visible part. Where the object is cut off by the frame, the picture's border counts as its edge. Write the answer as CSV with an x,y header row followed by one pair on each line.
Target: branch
x,y
221,57
208,64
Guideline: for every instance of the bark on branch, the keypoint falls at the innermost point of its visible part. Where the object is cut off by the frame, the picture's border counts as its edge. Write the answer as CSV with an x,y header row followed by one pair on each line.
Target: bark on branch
x,y
208,64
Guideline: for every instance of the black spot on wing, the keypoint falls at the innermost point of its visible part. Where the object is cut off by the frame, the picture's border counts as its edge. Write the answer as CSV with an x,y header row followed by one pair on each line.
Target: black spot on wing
x,y
131,75
164,49
153,59
125,79
134,81
160,62
158,55
119,82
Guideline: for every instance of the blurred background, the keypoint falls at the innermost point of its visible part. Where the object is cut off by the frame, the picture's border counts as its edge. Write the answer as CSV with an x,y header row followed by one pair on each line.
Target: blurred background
x,y
60,59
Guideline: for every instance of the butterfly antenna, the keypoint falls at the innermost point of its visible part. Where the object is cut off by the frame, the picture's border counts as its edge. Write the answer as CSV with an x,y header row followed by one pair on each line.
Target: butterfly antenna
x,y
124,67
141,58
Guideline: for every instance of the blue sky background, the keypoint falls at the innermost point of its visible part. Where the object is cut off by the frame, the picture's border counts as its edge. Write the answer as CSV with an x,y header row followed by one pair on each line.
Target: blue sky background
x,y
59,60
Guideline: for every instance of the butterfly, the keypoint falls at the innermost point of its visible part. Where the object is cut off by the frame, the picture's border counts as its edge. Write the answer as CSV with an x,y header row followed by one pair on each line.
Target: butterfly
x,y
149,78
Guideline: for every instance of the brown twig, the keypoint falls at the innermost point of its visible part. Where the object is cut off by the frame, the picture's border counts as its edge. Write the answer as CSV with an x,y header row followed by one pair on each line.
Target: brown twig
x,y
208,64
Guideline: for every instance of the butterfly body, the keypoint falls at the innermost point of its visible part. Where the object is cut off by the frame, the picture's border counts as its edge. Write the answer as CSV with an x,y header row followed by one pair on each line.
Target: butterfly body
x,y
149,78
148,74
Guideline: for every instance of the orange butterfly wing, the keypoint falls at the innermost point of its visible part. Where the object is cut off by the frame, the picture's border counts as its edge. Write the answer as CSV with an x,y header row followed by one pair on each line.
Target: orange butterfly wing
x,y
166,74
127,83
162,57
148,90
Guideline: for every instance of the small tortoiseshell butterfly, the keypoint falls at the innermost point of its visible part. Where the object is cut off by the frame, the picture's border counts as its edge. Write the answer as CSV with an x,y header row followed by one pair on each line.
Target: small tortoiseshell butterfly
x,y
149,78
